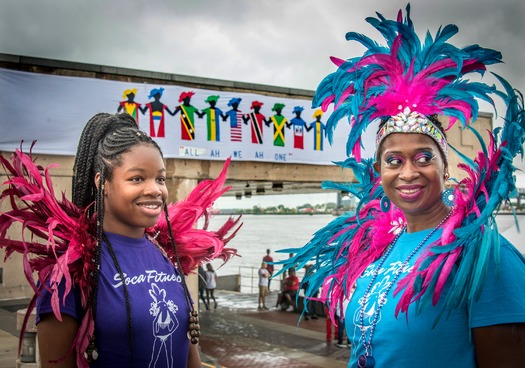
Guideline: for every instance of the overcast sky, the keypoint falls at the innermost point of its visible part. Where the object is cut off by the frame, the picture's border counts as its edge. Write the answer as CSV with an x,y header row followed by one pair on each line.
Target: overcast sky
x,y
275,42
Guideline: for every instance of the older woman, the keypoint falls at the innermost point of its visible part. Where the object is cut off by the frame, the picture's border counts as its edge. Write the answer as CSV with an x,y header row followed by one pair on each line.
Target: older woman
x,y
431,273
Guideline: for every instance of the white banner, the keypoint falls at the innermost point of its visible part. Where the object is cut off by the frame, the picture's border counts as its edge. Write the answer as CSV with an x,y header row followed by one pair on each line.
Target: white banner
x,y
54,109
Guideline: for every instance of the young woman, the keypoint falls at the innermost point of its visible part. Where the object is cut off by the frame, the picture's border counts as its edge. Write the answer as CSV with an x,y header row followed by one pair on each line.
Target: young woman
x,y
430,270
115,293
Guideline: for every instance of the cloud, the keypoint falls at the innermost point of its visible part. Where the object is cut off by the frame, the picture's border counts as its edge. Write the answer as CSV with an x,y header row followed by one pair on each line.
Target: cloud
x,y
275,42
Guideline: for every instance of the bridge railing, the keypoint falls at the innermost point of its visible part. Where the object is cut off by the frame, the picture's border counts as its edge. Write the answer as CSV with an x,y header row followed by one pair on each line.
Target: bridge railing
x,y
247,280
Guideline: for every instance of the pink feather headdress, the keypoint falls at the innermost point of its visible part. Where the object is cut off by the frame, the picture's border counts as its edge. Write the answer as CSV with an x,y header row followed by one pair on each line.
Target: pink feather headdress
x,y
405,82
427,78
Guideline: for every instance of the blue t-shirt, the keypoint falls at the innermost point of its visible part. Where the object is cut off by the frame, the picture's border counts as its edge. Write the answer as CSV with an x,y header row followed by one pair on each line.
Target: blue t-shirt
x,y
159,310
411,342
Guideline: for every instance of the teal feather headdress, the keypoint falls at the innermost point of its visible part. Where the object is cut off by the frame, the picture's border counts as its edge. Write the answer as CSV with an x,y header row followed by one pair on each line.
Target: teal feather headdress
x,y
428,77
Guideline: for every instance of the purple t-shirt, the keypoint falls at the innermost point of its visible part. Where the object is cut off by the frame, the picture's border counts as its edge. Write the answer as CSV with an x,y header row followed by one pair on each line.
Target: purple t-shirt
x,y
159,310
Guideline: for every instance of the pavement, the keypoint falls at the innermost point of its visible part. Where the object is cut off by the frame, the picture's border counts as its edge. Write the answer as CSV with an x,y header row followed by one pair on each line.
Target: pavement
x,y
234,335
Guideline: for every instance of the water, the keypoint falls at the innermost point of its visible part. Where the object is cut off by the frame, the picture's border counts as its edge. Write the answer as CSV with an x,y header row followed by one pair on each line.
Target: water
x,y
275,232
261,232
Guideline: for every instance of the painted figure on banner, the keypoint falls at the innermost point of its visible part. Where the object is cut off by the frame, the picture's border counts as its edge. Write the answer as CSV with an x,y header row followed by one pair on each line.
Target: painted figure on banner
x,y
187,116
235,116
319,130
213,118
299,125
256,120
130,106
279,123
156,113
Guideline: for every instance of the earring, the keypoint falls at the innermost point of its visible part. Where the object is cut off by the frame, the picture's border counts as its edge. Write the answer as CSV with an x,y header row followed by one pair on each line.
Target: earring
x,y
448,197
385,203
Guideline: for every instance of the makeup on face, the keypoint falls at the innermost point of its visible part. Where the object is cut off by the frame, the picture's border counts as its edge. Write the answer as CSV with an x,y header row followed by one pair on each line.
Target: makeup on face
x,y
423,158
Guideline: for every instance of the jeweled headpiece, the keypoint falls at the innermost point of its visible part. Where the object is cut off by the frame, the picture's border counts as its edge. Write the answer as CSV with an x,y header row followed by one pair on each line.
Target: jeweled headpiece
x,y
428,78
412,122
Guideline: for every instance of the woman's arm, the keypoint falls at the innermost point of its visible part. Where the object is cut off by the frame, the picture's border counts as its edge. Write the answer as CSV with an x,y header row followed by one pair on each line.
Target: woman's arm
x,y
194,357
55,339
500,346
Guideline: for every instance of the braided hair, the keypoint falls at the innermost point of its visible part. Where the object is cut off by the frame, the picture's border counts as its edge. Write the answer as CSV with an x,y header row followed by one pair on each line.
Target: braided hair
x,y
103,142
105,138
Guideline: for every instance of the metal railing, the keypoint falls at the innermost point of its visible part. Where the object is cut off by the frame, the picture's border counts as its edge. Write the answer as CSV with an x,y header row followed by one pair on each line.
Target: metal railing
x,y
249,280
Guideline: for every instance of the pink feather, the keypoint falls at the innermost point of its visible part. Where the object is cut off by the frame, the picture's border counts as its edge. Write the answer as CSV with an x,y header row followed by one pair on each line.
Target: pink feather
x,y
197,246
61,247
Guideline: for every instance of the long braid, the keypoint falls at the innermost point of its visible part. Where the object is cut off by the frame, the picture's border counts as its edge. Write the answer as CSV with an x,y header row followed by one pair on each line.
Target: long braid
x,y
103,141
91,149
194,328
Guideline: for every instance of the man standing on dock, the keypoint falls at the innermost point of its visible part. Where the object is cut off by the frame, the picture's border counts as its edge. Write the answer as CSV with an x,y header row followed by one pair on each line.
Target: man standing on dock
x,y
264,276
269,266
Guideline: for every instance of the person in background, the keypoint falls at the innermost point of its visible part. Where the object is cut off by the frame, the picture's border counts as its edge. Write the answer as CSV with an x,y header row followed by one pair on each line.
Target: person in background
x,y
288,295
202,286
331,325
340,328
312,307
264,277
269,266
436,285
211,284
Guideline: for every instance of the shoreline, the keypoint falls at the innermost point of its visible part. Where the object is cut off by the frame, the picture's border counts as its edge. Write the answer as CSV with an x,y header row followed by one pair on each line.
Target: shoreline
x,y
338,213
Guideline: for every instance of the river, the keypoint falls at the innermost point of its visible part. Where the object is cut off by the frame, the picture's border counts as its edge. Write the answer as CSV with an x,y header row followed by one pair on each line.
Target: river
x,y
274,232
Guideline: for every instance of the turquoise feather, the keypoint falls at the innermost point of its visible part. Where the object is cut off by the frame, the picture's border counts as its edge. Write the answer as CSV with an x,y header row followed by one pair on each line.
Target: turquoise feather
x,y
490,177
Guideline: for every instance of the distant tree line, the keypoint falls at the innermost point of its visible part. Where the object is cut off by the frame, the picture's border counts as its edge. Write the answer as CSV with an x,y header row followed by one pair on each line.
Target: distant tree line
x,y
307,209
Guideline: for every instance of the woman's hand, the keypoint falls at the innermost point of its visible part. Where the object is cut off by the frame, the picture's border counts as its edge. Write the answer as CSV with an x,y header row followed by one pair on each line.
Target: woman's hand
x,y
194,357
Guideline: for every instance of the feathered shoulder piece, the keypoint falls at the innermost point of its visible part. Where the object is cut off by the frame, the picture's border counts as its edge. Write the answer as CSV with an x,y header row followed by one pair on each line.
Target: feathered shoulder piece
x,y
425,79
341,250
195,245
56,239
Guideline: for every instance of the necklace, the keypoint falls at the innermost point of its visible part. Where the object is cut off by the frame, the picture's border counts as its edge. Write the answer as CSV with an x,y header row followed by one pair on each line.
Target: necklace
x,y
194,326
366,360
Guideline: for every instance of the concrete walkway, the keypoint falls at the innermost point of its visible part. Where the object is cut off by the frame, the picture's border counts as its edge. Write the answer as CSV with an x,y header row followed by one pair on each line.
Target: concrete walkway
x,y
234,335
8,332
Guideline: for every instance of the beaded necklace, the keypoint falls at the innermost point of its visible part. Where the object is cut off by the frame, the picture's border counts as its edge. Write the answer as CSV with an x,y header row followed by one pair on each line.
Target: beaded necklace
x,y
366,360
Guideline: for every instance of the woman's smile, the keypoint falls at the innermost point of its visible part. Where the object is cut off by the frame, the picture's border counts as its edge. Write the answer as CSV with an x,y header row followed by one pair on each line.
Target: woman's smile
x,y
135,196
410,193
412,173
